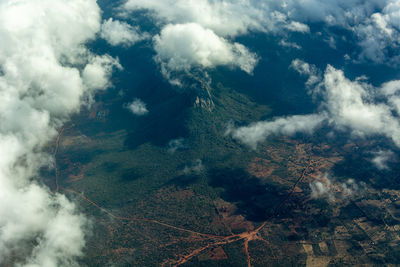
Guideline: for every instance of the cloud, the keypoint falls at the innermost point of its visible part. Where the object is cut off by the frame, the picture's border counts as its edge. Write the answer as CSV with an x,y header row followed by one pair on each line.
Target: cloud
x,y
346,105
137,107
96,73
381,158
181,47
338,13
116,33
327,188
203,32
46,75
309,70
379,34
225,18
195,168
285,43
373,23
256,133
296,26
322,189
175,144
352,105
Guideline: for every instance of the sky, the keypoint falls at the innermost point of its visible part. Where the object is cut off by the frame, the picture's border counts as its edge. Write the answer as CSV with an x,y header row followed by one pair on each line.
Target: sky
x,y
48,73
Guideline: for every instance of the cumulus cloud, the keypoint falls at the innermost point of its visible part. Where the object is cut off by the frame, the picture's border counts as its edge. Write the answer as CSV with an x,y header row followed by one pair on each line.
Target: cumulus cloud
x,y
338,13
352,106
374,23
225,18
203,32
116,32
137,107
46,75
232,17
322,188
379,34
346,106
181,47
96,73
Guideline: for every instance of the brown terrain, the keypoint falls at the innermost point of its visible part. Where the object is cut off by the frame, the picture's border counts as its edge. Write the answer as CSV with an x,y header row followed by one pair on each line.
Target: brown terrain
x,y
320,245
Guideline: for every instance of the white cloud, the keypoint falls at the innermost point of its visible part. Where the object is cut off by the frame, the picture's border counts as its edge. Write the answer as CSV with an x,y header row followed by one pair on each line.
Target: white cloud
x,y
351,106
116,33
137,107
296,26
203,32
309,70
181,47
195,168
347,106
46,74
285,43
175,144
379,33
225,18
328,188
256,133
381,158
373,22
322,188
96,73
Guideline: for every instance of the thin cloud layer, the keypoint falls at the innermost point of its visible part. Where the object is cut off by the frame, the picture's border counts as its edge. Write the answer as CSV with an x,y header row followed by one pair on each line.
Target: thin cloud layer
x,y
46,75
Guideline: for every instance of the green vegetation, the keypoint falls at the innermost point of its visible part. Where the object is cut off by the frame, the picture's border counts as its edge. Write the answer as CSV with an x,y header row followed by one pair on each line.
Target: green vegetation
x,y
126,169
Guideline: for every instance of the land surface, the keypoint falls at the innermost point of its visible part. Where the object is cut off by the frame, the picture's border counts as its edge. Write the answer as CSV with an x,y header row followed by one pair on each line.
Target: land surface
x,y
150,206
